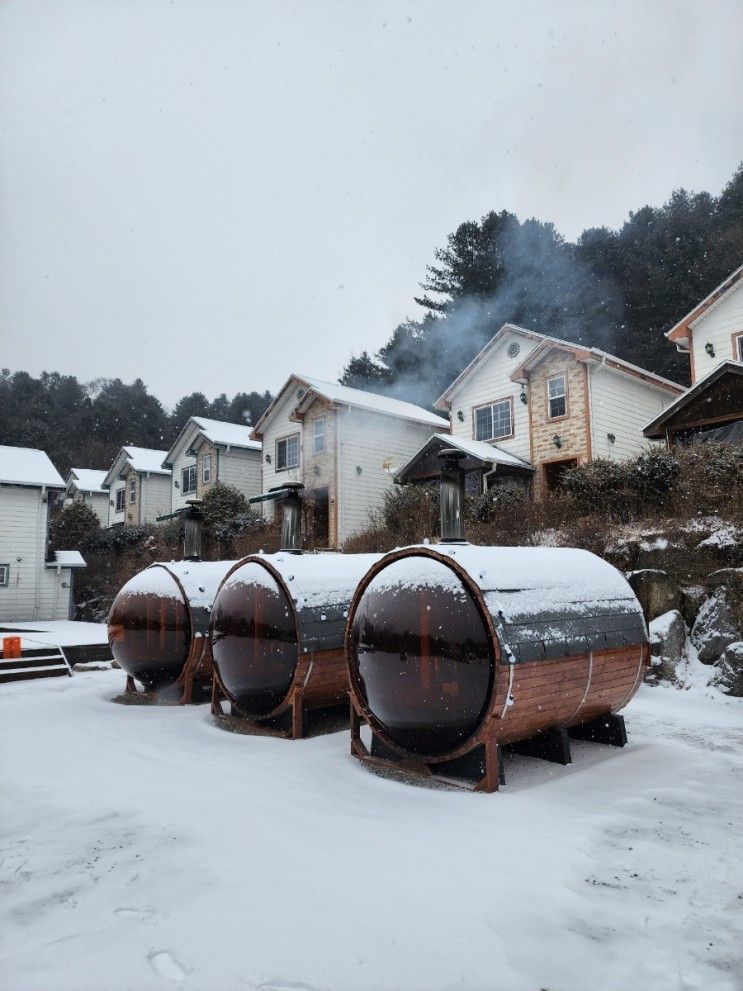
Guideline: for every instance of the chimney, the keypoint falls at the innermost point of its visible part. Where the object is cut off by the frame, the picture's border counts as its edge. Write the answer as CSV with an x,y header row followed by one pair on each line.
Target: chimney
x,y
452,496
291,521
193,522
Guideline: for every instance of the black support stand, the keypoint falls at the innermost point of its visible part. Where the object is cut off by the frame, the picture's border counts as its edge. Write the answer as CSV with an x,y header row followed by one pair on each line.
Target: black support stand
x,y
608,729
552,745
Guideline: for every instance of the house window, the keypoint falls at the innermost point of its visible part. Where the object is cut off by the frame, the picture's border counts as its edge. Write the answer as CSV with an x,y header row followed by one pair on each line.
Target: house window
x,y
318,435
206,468
738,351
188,480
132,490
557,396
287,453
4,575
494,421
120,500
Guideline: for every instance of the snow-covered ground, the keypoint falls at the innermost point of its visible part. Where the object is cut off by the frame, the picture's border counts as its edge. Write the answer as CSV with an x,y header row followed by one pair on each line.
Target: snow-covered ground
x,y
145,848
60,633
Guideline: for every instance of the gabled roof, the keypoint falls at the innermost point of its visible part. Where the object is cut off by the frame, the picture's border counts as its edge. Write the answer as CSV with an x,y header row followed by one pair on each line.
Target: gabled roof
x,y
343,395
67,559
655,429
28,466
543,343
477,452
217,432
680,333
142,459
87,479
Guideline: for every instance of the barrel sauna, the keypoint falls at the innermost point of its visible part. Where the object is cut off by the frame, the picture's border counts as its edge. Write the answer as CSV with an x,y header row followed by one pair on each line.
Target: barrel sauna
x,y
276,632
158,629
456,650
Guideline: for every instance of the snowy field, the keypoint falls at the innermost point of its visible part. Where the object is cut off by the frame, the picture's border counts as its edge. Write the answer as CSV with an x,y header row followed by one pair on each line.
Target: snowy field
x,y
59,633
145,848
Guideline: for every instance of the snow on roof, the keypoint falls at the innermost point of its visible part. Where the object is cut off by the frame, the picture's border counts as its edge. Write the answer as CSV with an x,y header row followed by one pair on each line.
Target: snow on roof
x,y
680,331
67,559
88,479
221,432
358,398
146,459
28,466
653,429
475,449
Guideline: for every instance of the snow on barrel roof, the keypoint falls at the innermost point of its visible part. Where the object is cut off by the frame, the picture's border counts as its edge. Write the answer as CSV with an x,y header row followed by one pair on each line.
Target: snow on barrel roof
x,y
28,466
89,479
346,396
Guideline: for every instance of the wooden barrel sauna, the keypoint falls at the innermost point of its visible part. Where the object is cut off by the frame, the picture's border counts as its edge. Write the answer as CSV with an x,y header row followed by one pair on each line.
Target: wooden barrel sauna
x,y
158,629
276,632
456,650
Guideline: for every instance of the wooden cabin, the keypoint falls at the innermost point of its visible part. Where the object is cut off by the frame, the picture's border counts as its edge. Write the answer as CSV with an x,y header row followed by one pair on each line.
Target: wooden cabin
x,y
33,584
344,445
209,451
539,405
88,485
712,335
138,486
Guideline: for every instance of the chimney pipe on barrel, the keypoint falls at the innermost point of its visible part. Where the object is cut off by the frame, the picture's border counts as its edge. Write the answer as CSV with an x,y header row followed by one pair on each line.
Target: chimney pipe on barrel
x,y
193,520
291,521
452,496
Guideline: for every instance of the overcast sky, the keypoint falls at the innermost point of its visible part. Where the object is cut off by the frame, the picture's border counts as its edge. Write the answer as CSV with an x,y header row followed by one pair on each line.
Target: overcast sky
x,y
212,194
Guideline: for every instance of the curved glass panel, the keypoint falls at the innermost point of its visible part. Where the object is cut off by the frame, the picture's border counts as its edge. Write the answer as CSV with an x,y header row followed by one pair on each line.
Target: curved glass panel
x,y
422,655
254,639
149,628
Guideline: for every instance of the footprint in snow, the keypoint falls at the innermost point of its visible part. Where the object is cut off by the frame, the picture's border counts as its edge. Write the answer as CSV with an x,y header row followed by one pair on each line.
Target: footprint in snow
x,y
166,966
141,914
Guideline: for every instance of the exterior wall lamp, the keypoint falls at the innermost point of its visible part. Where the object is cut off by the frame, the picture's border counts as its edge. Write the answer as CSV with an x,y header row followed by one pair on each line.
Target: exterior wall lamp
x,y
268,459
557,440
359,469
460,416
523,397
611,438
710,349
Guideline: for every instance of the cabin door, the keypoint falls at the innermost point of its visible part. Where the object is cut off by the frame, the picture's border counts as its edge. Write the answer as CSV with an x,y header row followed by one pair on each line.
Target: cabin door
x,y
554,471
318,522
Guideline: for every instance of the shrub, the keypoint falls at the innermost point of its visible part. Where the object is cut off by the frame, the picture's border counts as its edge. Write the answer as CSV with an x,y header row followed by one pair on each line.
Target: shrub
x,y
72,525
409,513
653,475
222,503
599,485
495,501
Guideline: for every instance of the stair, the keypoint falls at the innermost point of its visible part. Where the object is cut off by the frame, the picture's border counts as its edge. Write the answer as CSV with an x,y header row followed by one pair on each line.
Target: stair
x,y
36,662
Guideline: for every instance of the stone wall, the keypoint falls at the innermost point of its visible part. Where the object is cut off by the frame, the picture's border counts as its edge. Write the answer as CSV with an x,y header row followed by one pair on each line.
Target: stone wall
x,y
573,429
320,470
204,449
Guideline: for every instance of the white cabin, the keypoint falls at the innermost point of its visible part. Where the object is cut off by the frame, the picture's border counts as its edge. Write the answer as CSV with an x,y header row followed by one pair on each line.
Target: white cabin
x,y
209,451
88,485
343,444
138,487
542,405
31,586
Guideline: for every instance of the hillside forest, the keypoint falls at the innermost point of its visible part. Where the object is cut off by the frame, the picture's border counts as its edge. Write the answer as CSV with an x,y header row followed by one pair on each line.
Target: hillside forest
x,y
618,290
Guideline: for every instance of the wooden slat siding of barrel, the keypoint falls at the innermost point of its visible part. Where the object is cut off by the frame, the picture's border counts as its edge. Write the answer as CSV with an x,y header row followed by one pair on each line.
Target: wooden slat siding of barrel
x,y
158,630
277,629
523,643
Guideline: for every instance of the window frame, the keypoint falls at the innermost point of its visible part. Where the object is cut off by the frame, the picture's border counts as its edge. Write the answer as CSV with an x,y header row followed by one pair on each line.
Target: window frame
x,y
120,499
285,440
318,422
564,395
206,469
737,339
132,490
187,471
492,404
4,575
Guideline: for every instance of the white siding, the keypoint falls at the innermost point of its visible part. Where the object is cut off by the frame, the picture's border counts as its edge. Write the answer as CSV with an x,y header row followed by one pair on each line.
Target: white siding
x,y
489,382
279,426
368,440
154,499
34,591
242,469
622,406
98,502
716,327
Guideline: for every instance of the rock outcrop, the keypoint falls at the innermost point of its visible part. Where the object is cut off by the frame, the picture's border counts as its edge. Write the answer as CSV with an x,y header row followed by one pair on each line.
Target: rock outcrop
x,y
656,591
728,674
667,647
716,625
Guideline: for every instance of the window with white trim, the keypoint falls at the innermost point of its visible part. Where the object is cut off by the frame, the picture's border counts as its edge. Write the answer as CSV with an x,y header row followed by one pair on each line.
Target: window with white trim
x,y
739,347
206,468
132,490
287,453
4,575
557,396
318,435
494,421
188,480
120,499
